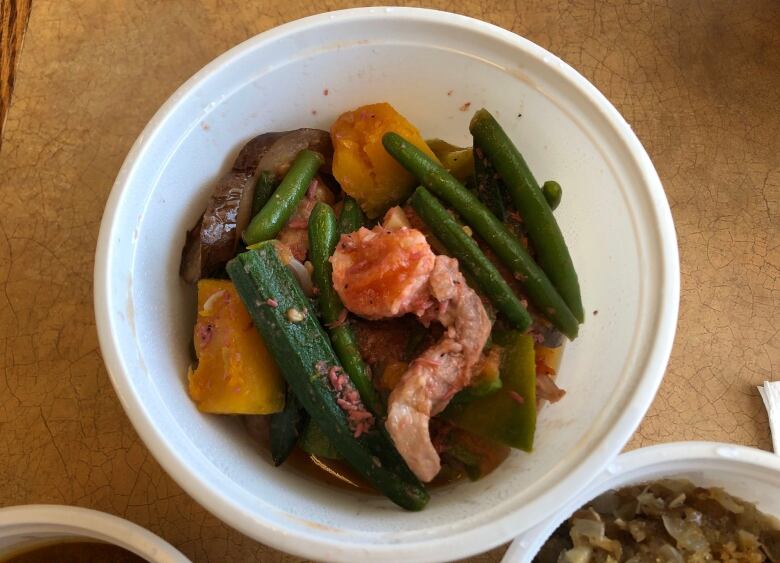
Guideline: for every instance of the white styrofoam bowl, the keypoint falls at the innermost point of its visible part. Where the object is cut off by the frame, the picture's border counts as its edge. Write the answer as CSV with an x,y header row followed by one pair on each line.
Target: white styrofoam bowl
x,y
747,473
428,64
26,526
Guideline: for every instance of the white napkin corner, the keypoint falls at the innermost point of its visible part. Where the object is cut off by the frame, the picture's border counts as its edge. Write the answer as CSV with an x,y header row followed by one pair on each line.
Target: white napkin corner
x,y
770,393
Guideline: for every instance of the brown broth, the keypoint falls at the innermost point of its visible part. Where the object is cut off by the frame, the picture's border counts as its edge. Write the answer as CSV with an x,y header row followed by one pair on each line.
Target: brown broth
x,y
76,551
340,474
330,471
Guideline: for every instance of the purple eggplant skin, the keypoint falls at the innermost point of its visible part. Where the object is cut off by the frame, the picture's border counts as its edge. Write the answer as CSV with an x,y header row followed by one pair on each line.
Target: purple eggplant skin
x,y
217,234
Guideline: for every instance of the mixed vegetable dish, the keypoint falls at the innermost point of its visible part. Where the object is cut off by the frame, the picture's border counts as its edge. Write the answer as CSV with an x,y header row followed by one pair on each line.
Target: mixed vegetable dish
x,y
668,520
389,309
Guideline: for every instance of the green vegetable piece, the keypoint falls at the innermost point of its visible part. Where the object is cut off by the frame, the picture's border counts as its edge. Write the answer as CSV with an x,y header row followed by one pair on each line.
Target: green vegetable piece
x,y
552,192
538,219
473,392
461,246
459,161
279,310
351,217
475,455
509,250
278,210
468,459
507,416
285,428
315,442
485,386
481,386
488,186
323,237
264,187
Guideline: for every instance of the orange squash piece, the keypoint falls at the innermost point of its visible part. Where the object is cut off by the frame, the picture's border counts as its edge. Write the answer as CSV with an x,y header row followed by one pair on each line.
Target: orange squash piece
x,y
236,373
362,166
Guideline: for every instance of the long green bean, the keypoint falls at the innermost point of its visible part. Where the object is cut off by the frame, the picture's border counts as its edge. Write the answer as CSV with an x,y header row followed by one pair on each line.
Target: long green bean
x,y
509,250
278,210
487,185
351,217
542,228
323,237
462,246
264,187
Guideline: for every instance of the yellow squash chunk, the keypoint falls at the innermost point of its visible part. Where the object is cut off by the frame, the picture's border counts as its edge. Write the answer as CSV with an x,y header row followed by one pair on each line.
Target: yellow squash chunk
x,y
236,374
362,166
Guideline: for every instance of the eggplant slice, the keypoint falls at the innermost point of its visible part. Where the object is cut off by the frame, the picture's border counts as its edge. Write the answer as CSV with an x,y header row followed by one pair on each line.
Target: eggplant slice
x,y
217,234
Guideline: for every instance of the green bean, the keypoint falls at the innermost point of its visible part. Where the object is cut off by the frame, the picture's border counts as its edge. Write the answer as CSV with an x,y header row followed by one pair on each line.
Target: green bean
x,y
509,250
323,237
351,217
552,192
265,186
487,187
462,246
278,210
542,228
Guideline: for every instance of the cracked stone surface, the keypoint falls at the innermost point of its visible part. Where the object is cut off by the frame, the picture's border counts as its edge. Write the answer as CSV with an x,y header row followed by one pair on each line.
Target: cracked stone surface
x,y
698,81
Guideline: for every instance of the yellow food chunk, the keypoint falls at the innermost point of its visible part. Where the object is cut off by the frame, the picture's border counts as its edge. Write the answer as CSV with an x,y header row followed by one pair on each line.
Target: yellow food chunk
x,y
362,166
491,364
236,373
391,375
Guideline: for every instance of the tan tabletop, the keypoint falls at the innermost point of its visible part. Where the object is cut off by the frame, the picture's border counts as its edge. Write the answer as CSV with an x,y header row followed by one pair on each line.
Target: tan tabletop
x,y
699,82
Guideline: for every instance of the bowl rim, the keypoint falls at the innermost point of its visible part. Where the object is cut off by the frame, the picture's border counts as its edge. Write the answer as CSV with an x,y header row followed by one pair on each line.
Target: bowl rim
x,y
76,521
675,456
469,541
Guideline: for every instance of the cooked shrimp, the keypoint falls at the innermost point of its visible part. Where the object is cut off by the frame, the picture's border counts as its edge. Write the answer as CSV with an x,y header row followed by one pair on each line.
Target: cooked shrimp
x,y
380,273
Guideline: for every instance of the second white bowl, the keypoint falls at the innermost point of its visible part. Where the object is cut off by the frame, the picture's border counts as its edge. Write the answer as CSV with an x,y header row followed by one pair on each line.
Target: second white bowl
x,y
747,473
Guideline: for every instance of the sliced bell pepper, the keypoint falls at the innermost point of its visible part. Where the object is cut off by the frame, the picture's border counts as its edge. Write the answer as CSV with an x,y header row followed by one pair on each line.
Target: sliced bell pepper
x,y
507,416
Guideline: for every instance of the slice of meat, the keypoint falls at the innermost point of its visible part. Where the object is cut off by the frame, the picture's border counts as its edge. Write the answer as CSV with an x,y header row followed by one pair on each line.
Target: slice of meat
x,y
464,312
439,372
426,383
295,234
380,273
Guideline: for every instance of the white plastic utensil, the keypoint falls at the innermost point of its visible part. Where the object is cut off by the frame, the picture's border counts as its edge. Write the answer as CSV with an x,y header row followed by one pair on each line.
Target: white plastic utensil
x,y
770,393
